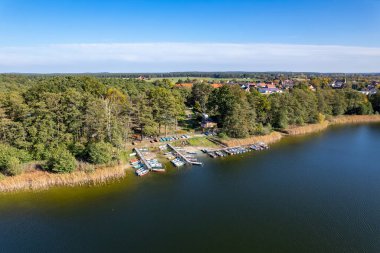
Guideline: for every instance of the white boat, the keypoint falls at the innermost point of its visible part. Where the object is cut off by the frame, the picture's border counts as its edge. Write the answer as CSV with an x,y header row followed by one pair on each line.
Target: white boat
x,y
142,172
177,162
158,170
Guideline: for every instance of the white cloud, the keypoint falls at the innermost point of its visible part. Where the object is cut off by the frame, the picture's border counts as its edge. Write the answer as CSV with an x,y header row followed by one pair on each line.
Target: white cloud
x,y
161,57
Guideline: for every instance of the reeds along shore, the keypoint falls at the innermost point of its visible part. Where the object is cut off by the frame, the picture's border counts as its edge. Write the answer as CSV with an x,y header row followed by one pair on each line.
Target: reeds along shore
x,y
270,138
353,119
39,180
311,128
300,130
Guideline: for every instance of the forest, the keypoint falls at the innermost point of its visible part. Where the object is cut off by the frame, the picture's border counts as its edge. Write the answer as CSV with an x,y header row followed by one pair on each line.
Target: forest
x,y
60,120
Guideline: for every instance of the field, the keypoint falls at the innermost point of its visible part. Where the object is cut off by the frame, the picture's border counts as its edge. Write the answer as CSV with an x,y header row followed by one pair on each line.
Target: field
x,y
216,80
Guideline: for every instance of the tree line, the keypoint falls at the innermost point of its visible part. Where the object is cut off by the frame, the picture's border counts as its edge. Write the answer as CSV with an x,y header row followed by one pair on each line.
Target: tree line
x,y
240,113
63,119
82,117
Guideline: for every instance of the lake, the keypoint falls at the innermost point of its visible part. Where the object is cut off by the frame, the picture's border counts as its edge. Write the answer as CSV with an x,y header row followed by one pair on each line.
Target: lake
x,y
316,193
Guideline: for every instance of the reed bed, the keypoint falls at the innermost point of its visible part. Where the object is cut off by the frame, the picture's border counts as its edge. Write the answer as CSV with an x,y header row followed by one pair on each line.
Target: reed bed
x,y
355,119
40,180
307,129
270,138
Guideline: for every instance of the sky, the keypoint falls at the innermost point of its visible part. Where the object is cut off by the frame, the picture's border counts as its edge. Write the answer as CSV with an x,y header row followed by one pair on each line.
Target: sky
x,y
182,35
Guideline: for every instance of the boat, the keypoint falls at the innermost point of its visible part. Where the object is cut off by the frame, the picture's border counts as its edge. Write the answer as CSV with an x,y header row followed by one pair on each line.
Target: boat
x,y
134,161
138,166
142,172
219,153
177,162
212,154
158,170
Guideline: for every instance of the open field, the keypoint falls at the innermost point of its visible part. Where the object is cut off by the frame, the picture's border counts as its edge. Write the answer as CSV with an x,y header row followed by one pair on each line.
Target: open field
x,y
216,80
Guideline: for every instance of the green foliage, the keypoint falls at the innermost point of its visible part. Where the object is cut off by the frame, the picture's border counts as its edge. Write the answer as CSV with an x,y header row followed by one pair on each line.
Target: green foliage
x,y
200,94
223,135
77,149
375,101
99,153
61,161
11,159
232,108
262,130
321,118
12,166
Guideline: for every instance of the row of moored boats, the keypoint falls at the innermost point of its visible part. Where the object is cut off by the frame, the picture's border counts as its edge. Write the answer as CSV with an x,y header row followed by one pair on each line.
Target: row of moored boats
x,y
236,150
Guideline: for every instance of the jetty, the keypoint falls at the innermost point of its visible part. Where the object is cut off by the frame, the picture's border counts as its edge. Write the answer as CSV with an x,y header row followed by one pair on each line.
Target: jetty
x,y
177,152
236,150
143,159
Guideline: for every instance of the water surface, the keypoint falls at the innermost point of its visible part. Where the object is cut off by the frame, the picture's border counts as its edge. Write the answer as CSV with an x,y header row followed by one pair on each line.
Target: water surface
x,y
319,193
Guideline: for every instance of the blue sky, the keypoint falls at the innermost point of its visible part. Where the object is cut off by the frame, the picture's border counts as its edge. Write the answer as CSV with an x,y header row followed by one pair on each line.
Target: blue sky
x,y
58,36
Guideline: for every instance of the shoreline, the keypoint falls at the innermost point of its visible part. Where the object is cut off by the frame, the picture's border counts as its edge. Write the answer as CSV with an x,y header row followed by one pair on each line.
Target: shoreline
x,y
42,180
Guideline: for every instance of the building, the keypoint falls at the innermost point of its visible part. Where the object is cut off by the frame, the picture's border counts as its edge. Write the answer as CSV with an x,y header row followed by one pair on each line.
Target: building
x,y
312,88
338,84
269,90
368,92
287,84
245,87
184,85
208,123
216,85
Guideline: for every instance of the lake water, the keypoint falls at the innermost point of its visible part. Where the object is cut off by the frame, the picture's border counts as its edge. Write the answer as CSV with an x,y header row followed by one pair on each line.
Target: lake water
x,y
319,193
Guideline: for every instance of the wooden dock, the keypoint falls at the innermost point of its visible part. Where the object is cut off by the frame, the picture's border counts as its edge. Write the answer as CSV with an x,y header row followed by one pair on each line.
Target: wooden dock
x,y
144,161
179,154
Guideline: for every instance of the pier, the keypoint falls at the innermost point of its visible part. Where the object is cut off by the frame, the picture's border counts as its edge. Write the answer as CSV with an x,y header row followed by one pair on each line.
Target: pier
x,y
237,150
176,151
187,160
142,157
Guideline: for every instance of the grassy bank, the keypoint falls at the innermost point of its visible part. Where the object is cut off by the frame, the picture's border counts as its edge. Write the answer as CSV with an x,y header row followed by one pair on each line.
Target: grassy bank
x,y
39,180
196,142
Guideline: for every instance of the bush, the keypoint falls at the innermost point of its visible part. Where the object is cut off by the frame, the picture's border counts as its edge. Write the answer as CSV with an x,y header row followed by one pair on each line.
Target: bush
x,y
262,130
11,159
12,166
321,118
222,135
77,149
61,161
99,153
